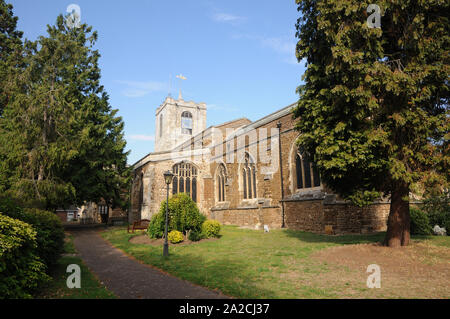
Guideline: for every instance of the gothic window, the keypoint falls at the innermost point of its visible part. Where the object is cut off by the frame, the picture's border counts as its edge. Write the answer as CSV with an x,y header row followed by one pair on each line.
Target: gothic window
x,y
141,190
185,180
160,125
186,123
249,178
307,175
221,179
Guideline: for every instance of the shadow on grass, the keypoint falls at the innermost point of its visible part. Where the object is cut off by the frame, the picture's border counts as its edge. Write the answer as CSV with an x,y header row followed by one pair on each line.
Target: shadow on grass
x,y
196,264
336,239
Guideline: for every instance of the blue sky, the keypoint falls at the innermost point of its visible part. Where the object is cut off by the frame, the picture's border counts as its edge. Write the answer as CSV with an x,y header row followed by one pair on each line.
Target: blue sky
x,y
238,56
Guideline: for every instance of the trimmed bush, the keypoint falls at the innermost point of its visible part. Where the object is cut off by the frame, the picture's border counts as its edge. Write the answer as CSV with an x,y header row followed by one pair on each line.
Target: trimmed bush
x,y
437,208
420,224
184,216
156,226
211,228
21,270
175,237
196,235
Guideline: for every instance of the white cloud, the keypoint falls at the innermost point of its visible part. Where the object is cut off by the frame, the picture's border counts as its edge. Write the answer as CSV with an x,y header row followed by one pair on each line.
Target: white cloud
x,y
227,18
279,44
142,137
136,89
284,46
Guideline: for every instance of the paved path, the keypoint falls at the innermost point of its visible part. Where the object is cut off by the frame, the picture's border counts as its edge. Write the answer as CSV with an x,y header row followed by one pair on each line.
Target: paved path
x,y
128,278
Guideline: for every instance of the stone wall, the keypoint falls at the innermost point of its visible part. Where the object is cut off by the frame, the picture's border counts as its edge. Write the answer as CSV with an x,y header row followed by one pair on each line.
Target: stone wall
x,y
250,217
304,209
315,215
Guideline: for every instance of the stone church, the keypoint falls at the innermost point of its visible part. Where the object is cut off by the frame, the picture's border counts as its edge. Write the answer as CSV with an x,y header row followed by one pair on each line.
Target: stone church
x,y
243,173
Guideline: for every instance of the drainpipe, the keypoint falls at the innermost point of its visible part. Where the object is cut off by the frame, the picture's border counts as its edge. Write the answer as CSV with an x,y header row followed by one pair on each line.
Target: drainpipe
x,y
281,174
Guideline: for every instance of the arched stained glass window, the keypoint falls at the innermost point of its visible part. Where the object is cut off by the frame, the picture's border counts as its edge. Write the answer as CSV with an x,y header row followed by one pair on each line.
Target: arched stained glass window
x,y
307,175
185,179
249,178
175,185
221,178
188,185
181,185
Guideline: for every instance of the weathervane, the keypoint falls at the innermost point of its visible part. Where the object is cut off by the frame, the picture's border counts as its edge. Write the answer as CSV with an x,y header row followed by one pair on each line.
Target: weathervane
x,y
181,77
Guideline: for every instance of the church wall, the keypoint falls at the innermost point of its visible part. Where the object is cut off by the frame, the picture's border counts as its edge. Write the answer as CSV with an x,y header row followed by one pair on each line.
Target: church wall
x,y
307,209
315,216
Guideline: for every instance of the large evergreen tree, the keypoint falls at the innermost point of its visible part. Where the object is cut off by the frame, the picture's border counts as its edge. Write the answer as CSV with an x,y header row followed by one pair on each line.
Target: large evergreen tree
x,y
373,111
62,141
10,51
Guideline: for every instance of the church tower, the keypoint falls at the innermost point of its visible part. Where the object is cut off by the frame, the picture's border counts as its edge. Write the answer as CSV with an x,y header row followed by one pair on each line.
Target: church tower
x,y
177,121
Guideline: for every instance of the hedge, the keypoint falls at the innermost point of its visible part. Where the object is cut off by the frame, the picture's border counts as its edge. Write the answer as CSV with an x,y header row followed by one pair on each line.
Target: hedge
x,y
21,270
420,224
48,227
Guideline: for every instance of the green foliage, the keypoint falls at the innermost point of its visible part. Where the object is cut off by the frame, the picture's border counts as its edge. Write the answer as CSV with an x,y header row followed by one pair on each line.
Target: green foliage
x,y
10,52
183,216
438,209
21,270
49,234
69,148
420,224
196,235
373,112
175,237
156,226
48,227
211,228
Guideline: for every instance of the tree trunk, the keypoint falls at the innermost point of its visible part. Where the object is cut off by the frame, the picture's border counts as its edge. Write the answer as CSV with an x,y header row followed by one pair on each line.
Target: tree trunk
x,y
398,231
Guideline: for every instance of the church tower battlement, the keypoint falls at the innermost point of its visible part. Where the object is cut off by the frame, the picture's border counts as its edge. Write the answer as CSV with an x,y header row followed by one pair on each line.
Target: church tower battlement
x,y
177,121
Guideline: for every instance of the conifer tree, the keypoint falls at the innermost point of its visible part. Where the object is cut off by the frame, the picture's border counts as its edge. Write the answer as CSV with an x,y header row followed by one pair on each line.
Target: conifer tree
x,y
62,141
373,112
10,51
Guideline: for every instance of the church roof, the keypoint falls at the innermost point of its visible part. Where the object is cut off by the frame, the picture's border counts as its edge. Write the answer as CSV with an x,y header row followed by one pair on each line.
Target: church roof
x,y
241,125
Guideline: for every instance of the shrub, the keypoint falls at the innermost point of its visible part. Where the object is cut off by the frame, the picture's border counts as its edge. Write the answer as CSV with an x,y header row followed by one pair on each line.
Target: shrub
x,y
211,228
175,237
50,234
21,270
447,227
438,209
420,224
196,235
49,229
156,226
183,216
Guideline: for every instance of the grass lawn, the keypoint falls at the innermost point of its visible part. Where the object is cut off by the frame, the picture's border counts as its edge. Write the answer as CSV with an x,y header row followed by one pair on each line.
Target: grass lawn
x,y
281,264
91,288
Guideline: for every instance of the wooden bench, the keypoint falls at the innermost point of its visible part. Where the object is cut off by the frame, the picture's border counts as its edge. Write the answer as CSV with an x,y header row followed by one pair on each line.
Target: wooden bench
x,y
142,225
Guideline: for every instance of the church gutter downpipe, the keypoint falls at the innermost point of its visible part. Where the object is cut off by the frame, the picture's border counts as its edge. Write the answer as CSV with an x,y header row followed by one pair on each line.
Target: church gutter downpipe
x,y
281,174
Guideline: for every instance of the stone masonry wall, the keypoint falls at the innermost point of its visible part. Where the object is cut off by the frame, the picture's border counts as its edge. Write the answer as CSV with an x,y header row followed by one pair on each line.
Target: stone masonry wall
x,y
312,214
